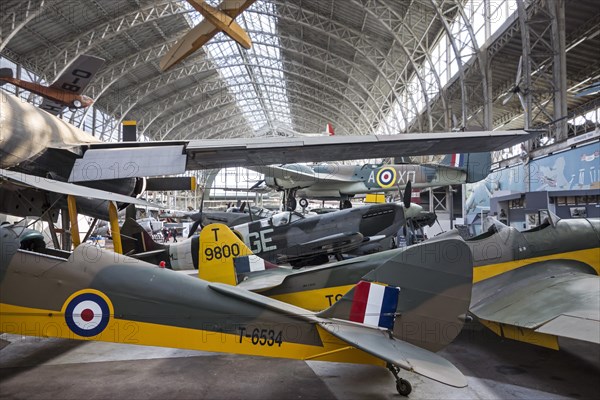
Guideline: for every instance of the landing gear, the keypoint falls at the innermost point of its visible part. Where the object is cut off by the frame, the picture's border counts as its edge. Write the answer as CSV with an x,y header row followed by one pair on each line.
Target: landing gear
x,y
402,385
345,204
289,200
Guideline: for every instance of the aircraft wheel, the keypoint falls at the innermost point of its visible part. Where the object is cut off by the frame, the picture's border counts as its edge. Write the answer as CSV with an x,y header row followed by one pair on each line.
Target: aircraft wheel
x,y
303,202
77,103
403,387
346,204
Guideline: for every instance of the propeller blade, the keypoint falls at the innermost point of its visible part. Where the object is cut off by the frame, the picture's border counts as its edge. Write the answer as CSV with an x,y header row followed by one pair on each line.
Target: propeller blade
x,y
522,100
519,71
194,227
243,206
407,195
508,97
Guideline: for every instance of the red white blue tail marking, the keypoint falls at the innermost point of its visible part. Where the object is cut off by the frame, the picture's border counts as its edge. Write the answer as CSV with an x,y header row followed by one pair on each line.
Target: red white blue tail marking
x,y
374,304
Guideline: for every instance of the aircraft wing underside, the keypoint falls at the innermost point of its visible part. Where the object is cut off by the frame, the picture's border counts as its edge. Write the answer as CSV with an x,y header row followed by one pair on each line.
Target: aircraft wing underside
x,y
562,299
289,173
51,185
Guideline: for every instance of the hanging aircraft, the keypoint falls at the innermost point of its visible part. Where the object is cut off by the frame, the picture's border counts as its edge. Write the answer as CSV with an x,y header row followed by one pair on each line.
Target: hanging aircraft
x,y
342,182
534,286
65,153
289,237
65,91
216,19
92,294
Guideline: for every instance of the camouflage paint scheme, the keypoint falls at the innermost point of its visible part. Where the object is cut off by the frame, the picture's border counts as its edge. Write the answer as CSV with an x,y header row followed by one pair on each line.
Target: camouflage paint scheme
x,y
299,240
292,237
533,286
433,281
538,285
139,303
334,181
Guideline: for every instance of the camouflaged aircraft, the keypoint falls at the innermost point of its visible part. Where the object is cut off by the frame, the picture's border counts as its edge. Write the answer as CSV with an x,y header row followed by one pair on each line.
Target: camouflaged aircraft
x,y
289,236
342,182
93,294
534,286
538,285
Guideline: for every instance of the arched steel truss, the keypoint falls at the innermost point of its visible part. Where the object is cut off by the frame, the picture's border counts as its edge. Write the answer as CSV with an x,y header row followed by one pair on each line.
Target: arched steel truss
x,y
356,89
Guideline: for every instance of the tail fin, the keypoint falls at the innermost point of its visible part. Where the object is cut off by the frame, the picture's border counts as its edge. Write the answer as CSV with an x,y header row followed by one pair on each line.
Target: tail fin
x,y
5,73
476,165
224,256
136,240
431,284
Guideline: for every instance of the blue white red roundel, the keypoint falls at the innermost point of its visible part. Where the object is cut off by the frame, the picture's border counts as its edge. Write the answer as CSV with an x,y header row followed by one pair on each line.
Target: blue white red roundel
x,y
386,177
87,314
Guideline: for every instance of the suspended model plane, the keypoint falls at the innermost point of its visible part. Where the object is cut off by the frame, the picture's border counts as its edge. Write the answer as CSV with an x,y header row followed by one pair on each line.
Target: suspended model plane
x,y
65,91
219,19
92,294
342,182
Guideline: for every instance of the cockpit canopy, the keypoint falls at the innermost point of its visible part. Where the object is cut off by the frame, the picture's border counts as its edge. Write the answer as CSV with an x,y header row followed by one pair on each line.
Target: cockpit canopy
x,y
285,217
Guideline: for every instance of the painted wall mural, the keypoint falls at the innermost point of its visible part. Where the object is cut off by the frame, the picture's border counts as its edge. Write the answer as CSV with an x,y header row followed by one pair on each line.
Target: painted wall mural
x,y
575,169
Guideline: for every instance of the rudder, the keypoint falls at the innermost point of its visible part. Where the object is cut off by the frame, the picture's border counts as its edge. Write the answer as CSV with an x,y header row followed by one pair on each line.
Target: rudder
x,y
433,283
476,165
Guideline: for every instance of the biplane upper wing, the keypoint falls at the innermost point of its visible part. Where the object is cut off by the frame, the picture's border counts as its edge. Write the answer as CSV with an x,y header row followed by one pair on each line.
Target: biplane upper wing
x,y
555,297
54,186
73,79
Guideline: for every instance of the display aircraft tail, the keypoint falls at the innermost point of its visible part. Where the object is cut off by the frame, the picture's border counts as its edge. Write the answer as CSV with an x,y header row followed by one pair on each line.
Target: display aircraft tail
x,y
422,294
136,240
476,165
5,73
224,257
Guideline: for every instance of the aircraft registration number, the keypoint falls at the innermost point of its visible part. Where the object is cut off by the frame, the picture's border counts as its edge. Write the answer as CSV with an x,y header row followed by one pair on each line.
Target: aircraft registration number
x,y
262,337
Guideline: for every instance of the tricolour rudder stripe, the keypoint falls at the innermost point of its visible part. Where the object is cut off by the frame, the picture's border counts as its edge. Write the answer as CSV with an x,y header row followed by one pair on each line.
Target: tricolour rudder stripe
x,y
388,308
369,303
359,301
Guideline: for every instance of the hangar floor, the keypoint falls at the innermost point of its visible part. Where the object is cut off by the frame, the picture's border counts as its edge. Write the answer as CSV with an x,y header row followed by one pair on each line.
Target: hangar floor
x,y
34,368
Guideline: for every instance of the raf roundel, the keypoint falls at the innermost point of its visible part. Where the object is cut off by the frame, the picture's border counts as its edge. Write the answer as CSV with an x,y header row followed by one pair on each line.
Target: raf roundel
x,y
386,177
87,314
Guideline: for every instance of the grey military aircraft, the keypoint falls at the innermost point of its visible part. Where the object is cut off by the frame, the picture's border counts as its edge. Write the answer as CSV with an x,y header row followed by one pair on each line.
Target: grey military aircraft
x,y
534,286
289,236
92,294
538,285
342,182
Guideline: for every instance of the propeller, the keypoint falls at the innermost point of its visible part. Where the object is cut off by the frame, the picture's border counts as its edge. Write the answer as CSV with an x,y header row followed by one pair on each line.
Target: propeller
x,y
516,87
198,222
406,196
243,207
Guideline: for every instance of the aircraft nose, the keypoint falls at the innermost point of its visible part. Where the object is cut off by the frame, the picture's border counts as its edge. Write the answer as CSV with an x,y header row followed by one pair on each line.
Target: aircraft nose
x,y
412,211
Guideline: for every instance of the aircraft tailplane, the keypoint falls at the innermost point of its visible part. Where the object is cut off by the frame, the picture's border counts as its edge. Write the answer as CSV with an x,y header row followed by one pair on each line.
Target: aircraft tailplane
x,y
422,294
476,165
136,240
